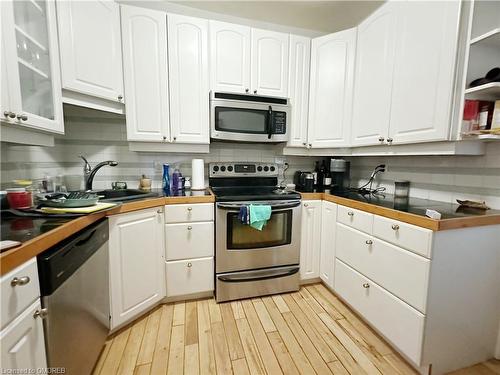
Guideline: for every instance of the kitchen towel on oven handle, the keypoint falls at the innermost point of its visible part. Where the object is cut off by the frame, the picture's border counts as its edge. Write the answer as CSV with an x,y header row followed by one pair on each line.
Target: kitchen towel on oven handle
x,y
259,215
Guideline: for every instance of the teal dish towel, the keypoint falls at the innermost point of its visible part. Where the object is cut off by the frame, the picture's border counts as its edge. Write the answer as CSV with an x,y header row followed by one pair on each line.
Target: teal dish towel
x,y
259,215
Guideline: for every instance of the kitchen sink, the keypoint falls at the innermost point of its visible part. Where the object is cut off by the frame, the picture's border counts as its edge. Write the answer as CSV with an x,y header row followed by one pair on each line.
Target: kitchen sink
x,y
124,195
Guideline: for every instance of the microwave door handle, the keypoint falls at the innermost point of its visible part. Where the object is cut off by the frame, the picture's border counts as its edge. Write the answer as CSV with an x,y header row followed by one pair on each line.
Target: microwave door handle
x,y
270,122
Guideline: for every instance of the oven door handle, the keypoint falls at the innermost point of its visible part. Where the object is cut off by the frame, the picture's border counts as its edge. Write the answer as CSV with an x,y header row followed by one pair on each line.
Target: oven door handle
x,y
274,206
262,276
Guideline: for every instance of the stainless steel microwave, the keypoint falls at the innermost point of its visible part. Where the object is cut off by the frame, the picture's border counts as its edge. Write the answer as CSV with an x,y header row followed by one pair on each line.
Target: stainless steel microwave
x,y
249,118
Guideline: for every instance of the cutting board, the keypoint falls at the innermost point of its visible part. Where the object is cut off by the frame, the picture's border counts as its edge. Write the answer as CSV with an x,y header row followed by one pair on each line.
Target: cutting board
x,y
78,210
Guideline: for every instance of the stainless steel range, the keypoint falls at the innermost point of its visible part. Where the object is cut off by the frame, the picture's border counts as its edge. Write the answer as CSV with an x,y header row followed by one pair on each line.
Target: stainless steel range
x,y
250,262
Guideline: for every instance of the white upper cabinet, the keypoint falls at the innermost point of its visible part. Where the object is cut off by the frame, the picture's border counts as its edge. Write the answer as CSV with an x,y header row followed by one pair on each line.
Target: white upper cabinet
x,y
298,86
373,76
269,68
229,57
144,38
330,100
189,78
30,66
90,42
424,71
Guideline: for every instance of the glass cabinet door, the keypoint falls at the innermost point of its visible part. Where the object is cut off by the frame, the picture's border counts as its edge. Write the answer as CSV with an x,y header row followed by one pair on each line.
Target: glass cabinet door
x,y
30,38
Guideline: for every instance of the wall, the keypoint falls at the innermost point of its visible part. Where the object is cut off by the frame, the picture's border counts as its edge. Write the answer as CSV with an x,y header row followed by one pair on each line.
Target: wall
x,y
442,178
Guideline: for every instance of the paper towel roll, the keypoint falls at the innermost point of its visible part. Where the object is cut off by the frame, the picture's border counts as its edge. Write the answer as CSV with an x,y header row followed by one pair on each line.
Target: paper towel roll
x,y
198,174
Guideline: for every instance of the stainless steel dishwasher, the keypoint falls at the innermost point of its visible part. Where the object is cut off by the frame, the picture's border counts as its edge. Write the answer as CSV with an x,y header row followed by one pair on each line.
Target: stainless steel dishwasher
x,y
74,283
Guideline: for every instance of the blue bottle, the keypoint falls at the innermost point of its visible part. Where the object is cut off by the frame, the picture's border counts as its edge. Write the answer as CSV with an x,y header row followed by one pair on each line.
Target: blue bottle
x,y
166,179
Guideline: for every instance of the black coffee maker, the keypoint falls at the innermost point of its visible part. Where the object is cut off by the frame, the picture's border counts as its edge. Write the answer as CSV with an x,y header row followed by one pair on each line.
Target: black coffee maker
x,y
341,176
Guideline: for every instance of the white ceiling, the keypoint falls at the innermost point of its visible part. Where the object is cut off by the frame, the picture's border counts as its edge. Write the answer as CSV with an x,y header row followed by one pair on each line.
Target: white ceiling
x,y
325,16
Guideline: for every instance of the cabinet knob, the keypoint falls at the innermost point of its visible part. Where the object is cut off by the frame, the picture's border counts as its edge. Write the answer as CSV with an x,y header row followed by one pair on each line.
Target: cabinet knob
x,y
306,205
369,242
9,114
310,145
164,138
22,117
395,227
381,139
19,281
304,144
247,90
190,208
389,140
255,91
120,97
190,265
190,227
366,285
350,213
159,212
40,313
175,138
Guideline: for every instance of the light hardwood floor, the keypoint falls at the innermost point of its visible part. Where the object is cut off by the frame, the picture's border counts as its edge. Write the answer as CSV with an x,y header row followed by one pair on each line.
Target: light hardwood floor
x,y
308,332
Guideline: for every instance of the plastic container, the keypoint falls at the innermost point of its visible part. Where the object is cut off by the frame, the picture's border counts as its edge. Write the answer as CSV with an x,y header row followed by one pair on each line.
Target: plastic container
x,y
19,198
166,179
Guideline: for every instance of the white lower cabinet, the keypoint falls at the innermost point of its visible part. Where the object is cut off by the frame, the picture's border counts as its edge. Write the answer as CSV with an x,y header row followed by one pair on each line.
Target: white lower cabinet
x,y
327,250
22,342
397,321
190,276
137,269
310,239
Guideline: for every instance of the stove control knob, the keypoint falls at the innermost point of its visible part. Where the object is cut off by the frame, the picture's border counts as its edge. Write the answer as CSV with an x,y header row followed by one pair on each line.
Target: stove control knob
x,y
266,168
259,168
230,168
215,168
223,169
273,169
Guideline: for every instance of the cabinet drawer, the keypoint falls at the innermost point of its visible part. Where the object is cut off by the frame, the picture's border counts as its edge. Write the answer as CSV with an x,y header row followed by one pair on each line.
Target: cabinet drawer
x,y
397,270
20,289
411,237
182,213
398,322
189,240
190,276
360,220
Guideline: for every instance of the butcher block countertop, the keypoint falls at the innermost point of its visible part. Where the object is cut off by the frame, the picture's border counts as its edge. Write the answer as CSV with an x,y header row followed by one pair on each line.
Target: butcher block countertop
x,y
413,211
57,230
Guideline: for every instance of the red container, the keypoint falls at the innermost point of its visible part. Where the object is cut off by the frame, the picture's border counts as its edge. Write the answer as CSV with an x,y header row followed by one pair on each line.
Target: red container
x,y
19,198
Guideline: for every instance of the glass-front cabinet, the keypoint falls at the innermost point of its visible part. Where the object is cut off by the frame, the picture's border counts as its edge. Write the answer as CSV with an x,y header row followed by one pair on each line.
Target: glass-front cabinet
x,y
31,85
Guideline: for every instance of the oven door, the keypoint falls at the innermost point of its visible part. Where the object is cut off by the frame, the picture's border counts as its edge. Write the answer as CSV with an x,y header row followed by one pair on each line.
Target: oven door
x,y
241,247
248,121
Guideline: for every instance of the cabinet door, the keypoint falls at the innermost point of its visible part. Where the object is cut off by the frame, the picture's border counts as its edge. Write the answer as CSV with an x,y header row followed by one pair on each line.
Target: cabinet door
x,y
22,342
137,263
269,63
332,68
90,43
29,35
298,84
189,80
229,57
310,240
146,75
328,237
424,69
373,76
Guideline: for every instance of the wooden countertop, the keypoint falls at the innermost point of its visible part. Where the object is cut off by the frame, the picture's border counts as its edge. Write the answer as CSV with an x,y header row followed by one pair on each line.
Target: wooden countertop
x,y
13,258
406,217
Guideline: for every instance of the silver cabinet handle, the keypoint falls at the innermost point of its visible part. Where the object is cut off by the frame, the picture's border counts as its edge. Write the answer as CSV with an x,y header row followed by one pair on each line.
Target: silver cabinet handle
x,y
369,242
381,139
40,313
120,97
366,285
20,281
190,227
350,213
395,226
247,90
9,114
190,208
389,140
190,265
23,117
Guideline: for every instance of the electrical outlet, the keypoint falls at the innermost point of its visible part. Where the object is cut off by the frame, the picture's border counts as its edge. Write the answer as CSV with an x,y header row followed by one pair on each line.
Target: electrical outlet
x,y
280,160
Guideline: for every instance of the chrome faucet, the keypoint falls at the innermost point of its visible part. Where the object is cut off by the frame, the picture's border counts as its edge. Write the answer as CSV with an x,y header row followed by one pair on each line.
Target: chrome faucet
x,y
89,172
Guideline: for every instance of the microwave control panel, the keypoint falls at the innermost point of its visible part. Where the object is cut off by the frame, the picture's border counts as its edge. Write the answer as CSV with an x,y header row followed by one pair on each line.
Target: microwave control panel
x,y
279,122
